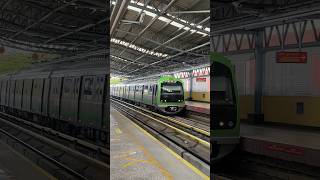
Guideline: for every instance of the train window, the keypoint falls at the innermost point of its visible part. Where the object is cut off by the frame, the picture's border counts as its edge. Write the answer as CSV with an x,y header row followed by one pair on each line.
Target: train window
x,y
146,89
88,84
223,90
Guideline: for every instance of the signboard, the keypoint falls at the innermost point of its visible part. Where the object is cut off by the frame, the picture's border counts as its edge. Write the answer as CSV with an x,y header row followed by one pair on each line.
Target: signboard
x,y
201,79
292,57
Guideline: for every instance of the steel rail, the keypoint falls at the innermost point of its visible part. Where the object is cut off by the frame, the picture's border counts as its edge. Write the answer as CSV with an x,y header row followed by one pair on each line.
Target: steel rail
x,y
203,142
71,171
198,130
59,134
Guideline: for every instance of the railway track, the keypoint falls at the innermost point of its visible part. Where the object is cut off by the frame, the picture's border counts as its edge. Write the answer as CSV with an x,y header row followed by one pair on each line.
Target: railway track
x,y
62,156
252,166
190,142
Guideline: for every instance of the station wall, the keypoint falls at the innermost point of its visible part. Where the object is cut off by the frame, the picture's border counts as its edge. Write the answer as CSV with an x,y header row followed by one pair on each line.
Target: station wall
x,y
285,88
200,88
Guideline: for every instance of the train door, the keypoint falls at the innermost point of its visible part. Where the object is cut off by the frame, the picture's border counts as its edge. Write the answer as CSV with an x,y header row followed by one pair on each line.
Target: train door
x,y
154,94
54,97
45,96
36,96
26,97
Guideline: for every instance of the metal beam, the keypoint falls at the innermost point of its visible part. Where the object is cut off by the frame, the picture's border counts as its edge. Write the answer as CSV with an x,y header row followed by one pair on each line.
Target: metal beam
x,y
168,41
168,58
267,21
153,20
76,30
168,17
190,12
43,18
123,7
6,4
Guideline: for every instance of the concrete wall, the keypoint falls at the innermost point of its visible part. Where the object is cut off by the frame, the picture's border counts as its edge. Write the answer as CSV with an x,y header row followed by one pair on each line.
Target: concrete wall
x,y
284,85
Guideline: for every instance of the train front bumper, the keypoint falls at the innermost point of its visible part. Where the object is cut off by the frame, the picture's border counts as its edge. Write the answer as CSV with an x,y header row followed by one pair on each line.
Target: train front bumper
x,y
171,109
223,146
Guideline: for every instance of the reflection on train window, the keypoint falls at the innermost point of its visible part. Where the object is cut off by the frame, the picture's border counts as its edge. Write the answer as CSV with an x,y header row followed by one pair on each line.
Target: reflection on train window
x,y
146,89
88,84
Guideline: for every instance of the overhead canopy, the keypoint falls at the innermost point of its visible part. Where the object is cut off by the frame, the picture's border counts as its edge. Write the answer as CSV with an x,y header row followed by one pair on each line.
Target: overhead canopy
x,y
154,36
65,27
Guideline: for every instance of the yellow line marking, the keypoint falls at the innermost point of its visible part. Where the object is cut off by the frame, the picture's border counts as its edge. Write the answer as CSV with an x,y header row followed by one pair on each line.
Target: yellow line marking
x,y
152,160
118,131
194,169
203,142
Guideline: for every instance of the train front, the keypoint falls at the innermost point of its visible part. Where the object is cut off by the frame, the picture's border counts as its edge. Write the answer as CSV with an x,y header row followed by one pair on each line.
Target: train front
x,y
170,95
224,108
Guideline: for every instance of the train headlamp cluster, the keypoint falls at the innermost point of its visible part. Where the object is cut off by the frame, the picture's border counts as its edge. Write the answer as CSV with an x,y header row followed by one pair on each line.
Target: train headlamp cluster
x,y
222,124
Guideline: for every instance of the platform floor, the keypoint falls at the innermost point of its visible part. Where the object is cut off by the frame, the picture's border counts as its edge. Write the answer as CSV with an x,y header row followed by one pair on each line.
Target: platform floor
x,y
15,166
200,107
298,145
135,154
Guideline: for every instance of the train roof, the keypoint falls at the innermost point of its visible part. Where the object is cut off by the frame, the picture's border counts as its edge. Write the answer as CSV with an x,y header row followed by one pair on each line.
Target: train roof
x,y
218,57
59,70
150,81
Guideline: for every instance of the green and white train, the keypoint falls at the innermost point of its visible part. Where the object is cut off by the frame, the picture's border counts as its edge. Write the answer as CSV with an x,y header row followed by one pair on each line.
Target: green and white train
x,y
165,94
225,124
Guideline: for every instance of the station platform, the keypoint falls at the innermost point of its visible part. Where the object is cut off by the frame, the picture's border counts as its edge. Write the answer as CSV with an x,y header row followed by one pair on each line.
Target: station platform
x,y
199,107
14,166
135,154
291,144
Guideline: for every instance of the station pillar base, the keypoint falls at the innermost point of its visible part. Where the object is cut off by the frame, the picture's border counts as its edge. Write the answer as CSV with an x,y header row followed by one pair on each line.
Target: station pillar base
x,y
256,117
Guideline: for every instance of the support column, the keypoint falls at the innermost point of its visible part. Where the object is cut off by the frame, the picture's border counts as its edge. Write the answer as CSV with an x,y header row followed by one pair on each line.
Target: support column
x,y
259,61
190,92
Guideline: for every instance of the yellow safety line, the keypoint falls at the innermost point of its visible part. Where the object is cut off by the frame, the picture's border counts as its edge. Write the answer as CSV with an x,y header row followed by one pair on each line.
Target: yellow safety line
x,y
173,120
205,143
194,169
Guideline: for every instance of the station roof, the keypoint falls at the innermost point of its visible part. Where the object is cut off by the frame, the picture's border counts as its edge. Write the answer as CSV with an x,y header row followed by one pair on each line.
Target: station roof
x,y
155,36
284,24
65,27
246,15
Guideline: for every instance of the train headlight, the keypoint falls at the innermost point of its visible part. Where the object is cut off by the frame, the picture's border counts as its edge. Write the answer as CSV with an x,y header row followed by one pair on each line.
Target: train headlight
x,y
221,123
230,123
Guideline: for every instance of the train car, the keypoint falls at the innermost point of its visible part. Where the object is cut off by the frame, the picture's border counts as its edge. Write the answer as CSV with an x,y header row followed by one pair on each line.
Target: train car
x,y
72,101
164,94
225,124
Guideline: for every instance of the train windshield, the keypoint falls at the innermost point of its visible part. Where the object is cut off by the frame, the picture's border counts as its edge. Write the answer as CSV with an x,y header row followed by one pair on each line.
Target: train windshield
x,y
171,92
173,88
222,85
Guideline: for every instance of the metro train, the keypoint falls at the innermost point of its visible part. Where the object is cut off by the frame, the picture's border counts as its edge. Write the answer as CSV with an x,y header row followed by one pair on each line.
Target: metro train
x,y
225,124
164,94
67,100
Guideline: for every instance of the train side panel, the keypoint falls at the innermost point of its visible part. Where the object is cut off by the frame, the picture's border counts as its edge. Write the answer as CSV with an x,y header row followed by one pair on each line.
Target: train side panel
x,y
26,98
69,99
11,93
45,97
18,94
37,89
54,97
91,101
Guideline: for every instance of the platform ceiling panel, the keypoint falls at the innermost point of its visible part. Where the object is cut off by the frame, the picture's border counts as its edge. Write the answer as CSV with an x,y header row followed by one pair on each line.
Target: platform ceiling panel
x,y
246,15
158,34
54,26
